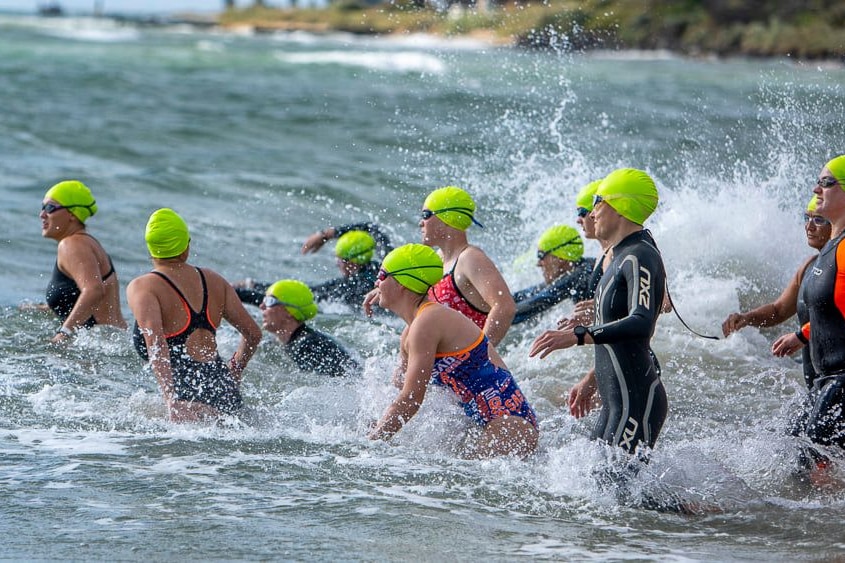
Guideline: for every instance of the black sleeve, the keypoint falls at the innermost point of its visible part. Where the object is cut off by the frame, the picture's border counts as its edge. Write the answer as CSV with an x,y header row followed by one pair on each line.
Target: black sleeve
x,y
253,295
383,245
332,289
318,353
645,279
540,298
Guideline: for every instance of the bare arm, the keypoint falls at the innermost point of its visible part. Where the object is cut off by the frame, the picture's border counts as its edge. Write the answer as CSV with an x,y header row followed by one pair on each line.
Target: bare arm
x,y
773,313
421,346
235,313
78,261
489,284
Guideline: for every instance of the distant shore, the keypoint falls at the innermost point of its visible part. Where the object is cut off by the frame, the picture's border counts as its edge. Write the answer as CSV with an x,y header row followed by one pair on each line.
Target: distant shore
x,y
770,28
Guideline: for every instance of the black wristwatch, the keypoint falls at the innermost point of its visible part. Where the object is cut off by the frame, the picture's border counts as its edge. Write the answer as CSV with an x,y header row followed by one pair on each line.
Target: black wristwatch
x,y
580,332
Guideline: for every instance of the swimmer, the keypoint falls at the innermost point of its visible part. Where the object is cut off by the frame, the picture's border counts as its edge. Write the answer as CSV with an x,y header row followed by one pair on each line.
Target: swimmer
x,y
440,346
285,308
566,273
628,302
178,308
823,293
84,290
356,246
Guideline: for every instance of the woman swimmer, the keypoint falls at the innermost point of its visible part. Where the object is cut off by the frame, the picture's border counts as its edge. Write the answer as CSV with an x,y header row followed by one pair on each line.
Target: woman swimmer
x,y
178,308
441,346
823,293
629,299
83,290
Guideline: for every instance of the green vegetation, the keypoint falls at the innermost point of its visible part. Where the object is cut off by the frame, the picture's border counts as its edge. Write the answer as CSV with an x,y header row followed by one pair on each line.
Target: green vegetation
x,y
805,29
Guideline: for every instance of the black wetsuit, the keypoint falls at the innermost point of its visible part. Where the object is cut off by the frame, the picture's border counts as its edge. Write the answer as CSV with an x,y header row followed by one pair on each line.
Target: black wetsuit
x,y
573,285
207,382
63,293
826,424
798,423
316,352
628,303
349,290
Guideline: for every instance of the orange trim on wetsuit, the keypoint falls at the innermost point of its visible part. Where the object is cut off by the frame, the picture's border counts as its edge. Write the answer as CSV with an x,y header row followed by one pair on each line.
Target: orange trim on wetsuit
x,y
838,287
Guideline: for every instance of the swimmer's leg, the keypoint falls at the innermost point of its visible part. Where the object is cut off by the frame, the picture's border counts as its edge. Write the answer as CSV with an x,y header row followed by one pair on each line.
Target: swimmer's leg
x,y
508,435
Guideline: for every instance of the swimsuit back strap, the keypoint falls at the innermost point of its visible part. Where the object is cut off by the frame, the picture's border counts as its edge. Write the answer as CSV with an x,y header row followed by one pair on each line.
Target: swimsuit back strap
x,y
178,291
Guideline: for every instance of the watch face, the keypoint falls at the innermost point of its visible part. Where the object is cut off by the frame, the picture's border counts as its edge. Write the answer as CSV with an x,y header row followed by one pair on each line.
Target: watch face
x,y
580,330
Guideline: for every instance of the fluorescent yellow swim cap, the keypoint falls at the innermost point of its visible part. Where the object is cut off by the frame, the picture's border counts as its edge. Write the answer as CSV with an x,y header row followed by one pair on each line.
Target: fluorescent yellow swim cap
x,y
453,206
415,267
812,204
355,246
167,234
837,168
296,297
74,196
585,196
631,193
562,241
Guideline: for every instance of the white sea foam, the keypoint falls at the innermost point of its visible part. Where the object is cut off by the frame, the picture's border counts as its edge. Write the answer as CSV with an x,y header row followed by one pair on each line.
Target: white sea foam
x,y
402,62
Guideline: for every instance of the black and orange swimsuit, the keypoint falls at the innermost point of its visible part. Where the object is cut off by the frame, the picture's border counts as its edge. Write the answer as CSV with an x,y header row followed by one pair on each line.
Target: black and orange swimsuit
x,y
208,382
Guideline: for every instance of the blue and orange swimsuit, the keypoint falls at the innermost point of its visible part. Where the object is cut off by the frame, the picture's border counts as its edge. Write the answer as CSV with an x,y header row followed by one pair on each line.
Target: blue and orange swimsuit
x,y
485,390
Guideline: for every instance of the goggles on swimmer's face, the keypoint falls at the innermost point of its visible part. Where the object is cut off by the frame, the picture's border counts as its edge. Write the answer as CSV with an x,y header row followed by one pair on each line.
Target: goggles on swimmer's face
x,y
428,213
827,182
582,212
384,274
271,301
50,208
817,220
543,253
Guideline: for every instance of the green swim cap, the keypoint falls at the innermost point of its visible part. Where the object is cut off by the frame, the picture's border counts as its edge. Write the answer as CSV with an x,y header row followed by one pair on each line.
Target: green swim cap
x,y
812,204
837,168
415,267
296,297
585,196
631,193
167,234
453,206
562,241
74,196
355,246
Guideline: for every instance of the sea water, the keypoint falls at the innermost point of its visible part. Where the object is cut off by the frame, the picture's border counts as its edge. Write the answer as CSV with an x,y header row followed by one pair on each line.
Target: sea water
x,y
260,140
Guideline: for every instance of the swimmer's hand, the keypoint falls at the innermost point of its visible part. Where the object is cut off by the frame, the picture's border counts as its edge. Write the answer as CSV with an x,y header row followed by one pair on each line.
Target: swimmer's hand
x,y
552,340
316,241
583,314
582,396
247,283
786,345
29,306
733,323
371,299
191,411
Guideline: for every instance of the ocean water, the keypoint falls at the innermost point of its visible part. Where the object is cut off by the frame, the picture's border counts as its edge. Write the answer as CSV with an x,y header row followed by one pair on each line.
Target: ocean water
x,y
260,140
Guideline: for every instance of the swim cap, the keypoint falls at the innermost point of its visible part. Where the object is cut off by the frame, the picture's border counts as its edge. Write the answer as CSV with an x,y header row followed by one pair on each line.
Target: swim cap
x,y
837,168
585,196
562,241
75,197
415,266
355,246
167,234
631,193
296,297
812,204
453,206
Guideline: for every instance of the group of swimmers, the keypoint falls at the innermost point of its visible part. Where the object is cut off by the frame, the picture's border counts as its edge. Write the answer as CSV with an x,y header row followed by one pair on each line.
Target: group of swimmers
x,y
457,308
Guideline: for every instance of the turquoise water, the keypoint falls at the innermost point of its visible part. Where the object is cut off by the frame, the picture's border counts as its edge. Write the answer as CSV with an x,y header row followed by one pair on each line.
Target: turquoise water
x,y
260,140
